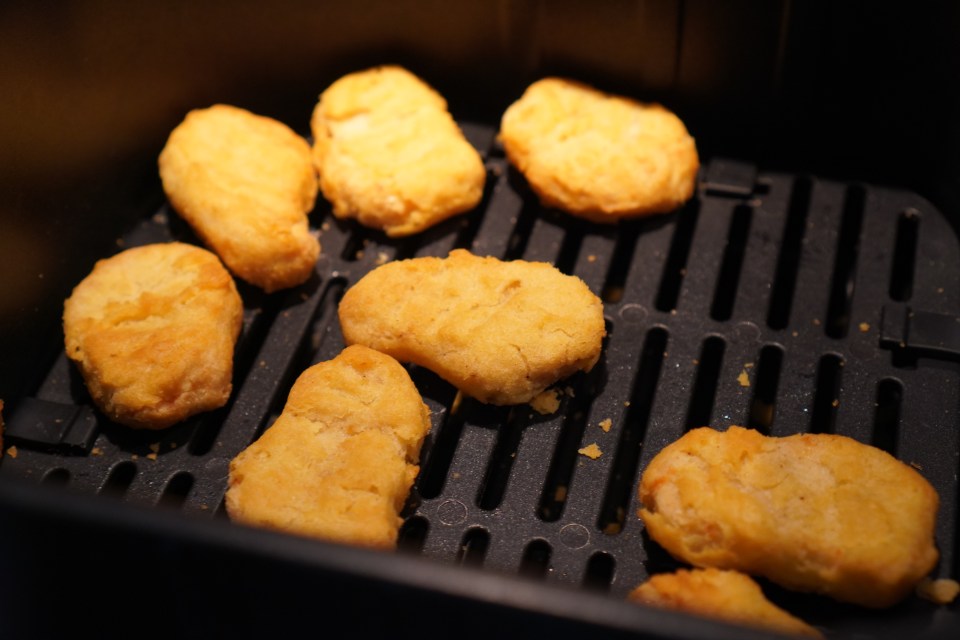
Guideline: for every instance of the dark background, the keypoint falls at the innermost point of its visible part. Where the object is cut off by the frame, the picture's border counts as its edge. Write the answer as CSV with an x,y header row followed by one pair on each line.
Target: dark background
x,y
852,90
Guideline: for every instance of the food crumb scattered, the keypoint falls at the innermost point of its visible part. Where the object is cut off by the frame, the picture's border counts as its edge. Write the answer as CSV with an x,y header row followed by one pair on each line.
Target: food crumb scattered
x,y
606,424
795,333
155,447
864,327
569,392
151,456
916,466
940,591
382,258
12,452
743,379
96,451
592,451
134,457
560,494
835,403
748,365
591,258
546,402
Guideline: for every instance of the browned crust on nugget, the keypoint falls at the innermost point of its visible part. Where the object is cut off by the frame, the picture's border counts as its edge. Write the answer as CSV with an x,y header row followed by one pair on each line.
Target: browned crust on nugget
x,y
812,512
724,595
501,332
596,155
152,330
339,462
390,154
245,184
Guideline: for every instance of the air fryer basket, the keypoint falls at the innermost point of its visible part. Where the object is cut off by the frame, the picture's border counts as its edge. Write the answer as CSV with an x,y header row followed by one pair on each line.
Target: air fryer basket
x,y
780,298
781,302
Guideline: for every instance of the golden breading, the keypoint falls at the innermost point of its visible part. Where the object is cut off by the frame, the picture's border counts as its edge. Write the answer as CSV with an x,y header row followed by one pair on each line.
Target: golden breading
x,y
812,512
501,332
245,184
599,156
390,154
339,462
723,595
152,330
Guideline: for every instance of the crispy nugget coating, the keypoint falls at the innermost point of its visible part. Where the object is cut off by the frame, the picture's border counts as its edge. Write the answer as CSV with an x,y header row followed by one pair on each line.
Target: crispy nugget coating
x,y
599,156
501,332
812,512
390,154
724,595
245,184
339,462
152,330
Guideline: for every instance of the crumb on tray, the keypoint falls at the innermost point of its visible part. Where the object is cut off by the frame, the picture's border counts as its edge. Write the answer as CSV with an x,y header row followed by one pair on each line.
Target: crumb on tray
x,y
546,402
592,451
940,591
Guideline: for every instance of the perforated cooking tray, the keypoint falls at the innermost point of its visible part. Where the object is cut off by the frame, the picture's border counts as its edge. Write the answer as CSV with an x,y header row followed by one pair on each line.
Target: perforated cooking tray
x,y
784,303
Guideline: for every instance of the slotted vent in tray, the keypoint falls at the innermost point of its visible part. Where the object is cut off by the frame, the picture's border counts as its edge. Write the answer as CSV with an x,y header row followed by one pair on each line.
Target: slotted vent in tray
x,y
784,303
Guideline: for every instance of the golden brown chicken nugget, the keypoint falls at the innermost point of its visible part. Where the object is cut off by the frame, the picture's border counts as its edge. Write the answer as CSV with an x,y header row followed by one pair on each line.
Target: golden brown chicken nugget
x,y
390,154
339,462
812,512
152,330
245,184
596,155
501,332
724,595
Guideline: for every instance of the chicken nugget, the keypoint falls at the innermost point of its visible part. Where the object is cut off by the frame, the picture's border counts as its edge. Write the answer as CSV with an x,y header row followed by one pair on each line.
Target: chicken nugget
x,y
501,332
599,156
812,512
245,184
152,330
723,595
390,154
339,462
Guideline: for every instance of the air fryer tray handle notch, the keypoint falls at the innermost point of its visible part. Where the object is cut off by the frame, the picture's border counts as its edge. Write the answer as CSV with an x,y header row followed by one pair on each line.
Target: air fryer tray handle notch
x,y
923,333
727,177
55,426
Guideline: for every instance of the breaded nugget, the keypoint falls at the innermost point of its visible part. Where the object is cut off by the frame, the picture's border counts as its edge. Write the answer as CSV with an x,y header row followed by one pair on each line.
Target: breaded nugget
x,y
724,595
812,512
339,462
501,332
152,330
245,184
599,156
390,155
